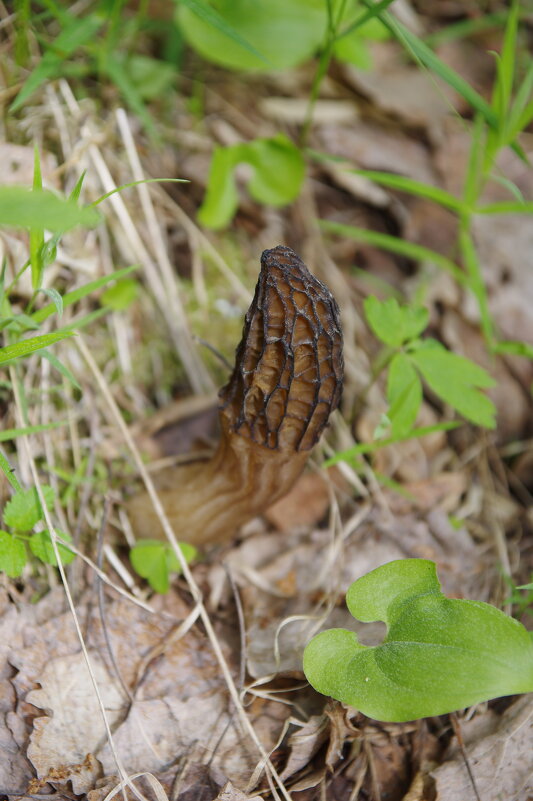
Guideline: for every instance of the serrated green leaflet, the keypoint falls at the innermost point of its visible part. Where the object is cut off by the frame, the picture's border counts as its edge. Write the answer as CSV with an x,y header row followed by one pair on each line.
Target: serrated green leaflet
x,y
12,555
438,655
404,395
457,381
24,509
392,323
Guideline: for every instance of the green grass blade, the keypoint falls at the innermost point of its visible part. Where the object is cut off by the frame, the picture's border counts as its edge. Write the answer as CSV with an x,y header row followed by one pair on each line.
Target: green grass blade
x,y
395,245
366,17
476,282
506,66
37,233
136,183
425,56
371,447
9,473
22,207
13,433
78,33
514,348
413,187
61,368
82,292
29,346
507,207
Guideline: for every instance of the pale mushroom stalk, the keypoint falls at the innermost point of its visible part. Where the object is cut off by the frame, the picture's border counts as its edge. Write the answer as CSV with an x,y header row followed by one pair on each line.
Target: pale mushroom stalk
x,y
286,381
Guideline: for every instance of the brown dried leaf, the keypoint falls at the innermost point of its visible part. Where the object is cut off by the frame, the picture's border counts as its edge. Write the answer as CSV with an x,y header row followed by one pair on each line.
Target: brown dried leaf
x,y
230,793
74,725
502,763
304,743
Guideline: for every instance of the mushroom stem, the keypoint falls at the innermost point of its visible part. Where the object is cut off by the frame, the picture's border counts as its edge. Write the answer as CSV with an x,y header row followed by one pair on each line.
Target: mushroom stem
x,y
286,381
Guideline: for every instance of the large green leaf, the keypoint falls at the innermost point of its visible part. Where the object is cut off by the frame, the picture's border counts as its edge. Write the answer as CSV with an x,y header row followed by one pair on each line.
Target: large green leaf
x,y
255,34
439,655
22,207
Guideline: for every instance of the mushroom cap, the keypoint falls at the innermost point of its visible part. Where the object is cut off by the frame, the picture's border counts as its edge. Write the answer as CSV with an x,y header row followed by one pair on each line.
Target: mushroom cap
x,y
288,369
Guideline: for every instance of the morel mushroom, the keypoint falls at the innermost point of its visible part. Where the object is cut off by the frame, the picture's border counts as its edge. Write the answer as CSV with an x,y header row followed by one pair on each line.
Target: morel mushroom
x,y
286,381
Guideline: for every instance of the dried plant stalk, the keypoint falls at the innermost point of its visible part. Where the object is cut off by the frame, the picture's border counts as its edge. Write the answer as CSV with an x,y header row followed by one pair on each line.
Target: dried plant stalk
x,y
286,381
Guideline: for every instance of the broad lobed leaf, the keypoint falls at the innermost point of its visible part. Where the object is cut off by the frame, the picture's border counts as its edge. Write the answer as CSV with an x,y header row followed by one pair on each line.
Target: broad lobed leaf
x,y
439,655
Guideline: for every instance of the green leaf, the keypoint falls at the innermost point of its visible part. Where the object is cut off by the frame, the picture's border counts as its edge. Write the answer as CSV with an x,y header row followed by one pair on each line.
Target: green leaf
x,y
120,296
12,555
221,200
456,381
394,324
264,34
438,655
404,394
56,299
155,560
21,207
41,547
151,77
28,346
279,170
73,36
208,30
24,509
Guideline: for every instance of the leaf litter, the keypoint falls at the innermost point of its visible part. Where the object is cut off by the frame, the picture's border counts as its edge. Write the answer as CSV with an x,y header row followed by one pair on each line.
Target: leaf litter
x,y
449,499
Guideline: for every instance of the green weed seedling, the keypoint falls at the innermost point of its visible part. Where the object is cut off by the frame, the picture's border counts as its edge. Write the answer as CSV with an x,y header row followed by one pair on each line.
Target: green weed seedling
x,y
20,515
279,171
439,654
155,560
411,362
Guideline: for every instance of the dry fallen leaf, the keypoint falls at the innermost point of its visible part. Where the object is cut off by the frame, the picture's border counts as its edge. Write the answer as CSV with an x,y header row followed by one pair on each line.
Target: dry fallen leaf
x,y
73,726
502,763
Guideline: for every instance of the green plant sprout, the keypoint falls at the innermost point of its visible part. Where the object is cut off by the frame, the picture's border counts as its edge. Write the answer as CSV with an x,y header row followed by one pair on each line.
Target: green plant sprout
x,y
439,654
36,210
154,561
279,171
412,361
